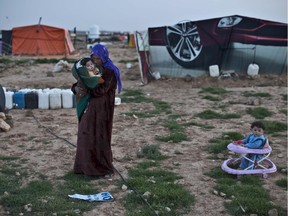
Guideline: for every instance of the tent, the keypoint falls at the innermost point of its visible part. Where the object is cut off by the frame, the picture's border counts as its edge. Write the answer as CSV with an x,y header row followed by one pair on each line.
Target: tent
x,y
41,40
232,43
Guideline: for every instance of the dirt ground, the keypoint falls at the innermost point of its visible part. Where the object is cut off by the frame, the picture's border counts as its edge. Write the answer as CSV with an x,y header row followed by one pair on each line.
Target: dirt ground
x,y
54,158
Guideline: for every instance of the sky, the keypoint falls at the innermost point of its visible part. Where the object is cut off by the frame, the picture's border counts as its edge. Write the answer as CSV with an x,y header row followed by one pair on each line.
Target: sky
x,y
131,15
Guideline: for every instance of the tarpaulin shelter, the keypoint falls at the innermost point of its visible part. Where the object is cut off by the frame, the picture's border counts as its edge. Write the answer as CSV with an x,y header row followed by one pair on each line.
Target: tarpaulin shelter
x,y
41,40
233,43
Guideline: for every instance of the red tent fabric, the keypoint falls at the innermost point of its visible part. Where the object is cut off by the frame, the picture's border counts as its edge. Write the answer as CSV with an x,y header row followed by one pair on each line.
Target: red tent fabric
x,y
41,40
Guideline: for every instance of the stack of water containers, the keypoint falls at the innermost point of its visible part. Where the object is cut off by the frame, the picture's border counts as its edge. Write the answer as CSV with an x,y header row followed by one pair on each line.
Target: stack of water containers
x,y
39,99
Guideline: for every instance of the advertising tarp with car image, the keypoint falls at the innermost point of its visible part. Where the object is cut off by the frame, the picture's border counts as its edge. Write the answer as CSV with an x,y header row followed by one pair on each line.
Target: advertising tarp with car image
x,y
232,43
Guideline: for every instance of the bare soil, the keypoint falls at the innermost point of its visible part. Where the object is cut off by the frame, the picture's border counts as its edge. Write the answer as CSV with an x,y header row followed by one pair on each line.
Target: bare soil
x,y
54,157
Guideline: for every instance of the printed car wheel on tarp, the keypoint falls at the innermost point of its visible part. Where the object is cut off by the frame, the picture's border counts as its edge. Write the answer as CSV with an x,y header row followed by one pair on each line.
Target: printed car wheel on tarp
x,y
184,46
2,99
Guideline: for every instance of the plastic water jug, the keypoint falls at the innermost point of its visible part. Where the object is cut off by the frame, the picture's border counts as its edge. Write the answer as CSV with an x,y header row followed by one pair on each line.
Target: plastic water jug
x,y
55,99
19,100
31,100
214,70
253,70
43,99
67,98
9,99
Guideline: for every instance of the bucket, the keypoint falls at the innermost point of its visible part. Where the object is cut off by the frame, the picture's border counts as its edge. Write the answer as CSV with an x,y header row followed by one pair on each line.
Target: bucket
x,y
9,99
43,99
214,70
67,99
253,70
19,100
55,99
31,100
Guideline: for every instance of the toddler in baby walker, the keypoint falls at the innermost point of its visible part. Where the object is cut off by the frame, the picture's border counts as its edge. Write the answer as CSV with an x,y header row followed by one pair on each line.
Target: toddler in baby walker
x,y
255,140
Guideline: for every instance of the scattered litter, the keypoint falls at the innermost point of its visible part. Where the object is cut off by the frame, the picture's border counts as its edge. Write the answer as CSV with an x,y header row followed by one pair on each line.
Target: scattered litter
x,y
128,65
101,197
60,66
156,75
117,101
228,74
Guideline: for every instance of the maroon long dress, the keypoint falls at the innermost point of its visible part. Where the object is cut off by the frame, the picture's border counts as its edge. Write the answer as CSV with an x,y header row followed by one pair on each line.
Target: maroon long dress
x,y
94,153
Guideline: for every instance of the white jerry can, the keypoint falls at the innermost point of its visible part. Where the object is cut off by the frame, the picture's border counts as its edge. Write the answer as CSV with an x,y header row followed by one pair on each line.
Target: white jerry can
x,y
67,98
55,99
253,70
43,99
214,70
9,100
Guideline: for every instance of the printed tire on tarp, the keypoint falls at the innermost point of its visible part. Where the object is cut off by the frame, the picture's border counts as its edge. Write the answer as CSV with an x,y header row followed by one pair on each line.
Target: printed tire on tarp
x,y
185,47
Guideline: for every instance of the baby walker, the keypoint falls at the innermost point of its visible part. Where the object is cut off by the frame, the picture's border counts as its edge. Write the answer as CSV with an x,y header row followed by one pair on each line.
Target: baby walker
x,y
262,166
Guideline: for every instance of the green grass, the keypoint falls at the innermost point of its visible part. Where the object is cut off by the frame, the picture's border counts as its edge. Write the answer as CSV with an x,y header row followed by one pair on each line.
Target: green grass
x,y
214,90
128,61
282,183
35,61
248,192
274,126
218,145
284,111
151,152
165,192
284,97
259,112
211,98
45,197
209,114
205,126
175,137
177,132
137,96
256,94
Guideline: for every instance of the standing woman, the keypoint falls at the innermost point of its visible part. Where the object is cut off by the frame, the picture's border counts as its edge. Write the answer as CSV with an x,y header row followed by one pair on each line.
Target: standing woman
x,y
94,153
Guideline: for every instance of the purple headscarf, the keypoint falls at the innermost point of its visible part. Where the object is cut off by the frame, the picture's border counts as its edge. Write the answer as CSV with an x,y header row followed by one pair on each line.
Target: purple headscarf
x,y
101,52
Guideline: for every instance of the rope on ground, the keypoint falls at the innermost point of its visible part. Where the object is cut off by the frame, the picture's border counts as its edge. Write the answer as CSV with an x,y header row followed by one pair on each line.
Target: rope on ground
x,y
123,179
51,132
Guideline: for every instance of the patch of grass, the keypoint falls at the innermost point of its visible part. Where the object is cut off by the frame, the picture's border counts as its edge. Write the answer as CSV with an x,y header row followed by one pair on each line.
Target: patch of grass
x,y
248,192
147,164
137,96
219,145
175,137
44,197
259,112
284,111
284,97
35,61
187,124
209,114
177,132
8,158
274,126
282,183
214,90
128,61
256,94
164,192
151,152
211,98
